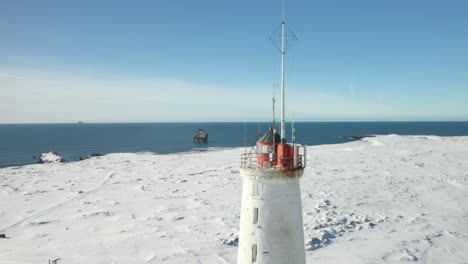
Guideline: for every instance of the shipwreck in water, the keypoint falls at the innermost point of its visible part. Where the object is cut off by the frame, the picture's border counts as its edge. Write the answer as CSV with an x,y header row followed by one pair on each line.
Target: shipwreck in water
x,y
200,136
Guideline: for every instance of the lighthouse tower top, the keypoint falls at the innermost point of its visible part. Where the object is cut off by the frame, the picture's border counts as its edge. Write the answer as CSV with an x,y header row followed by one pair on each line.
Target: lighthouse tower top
x,y
271,227
272,152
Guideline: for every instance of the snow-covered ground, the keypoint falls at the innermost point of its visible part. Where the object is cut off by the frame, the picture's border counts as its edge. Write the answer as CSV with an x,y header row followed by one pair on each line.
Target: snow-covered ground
x,y
387,199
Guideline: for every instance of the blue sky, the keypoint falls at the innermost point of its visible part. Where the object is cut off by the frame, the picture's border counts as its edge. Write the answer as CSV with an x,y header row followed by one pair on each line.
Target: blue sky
x,y
171,61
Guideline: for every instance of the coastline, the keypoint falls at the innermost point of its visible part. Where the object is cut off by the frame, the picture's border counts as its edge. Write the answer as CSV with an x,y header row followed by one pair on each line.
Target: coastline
x,y
381,199
20,143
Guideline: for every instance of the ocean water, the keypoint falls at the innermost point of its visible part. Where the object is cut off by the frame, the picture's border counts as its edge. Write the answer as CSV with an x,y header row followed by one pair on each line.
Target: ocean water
x,y
20,143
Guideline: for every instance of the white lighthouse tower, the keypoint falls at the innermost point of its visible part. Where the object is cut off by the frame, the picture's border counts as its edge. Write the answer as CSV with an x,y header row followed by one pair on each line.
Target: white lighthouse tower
x,y
271,229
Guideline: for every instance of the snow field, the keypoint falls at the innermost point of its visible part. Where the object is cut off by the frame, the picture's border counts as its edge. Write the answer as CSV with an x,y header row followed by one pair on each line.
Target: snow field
x,y
386,199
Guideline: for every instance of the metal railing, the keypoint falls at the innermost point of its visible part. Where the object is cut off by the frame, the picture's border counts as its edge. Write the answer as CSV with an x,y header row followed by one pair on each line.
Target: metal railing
x,y
249,160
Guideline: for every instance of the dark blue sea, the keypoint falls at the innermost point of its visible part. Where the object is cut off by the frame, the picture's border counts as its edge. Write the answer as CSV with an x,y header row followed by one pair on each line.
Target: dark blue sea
x,y
20,143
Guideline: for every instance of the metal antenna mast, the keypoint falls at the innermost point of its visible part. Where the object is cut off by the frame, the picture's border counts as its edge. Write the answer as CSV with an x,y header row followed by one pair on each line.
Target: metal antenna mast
x,y
287,39
273,128
274,100
283,10
293,130
245,136
283,128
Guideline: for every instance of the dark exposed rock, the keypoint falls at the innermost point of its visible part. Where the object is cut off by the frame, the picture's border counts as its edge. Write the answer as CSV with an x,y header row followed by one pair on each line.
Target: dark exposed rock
x,y
360,137
231,242
90,156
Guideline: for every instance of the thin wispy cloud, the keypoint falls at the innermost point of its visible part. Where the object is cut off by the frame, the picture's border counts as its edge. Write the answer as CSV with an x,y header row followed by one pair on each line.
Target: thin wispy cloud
x,y
36,96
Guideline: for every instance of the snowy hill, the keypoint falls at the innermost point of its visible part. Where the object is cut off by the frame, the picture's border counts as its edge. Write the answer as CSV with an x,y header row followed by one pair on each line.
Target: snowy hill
x,y
386,199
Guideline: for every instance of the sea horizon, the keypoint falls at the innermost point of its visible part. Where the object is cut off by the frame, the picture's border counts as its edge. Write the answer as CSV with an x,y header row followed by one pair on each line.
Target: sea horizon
x,y
261,121
21,144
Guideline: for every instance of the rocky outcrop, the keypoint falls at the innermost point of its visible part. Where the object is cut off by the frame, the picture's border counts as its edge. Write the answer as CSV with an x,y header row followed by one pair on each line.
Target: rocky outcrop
x,y
50,157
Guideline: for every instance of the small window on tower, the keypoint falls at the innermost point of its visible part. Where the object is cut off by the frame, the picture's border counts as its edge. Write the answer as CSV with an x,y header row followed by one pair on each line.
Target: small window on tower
x,y
254,189
255,215
254,253
257,189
